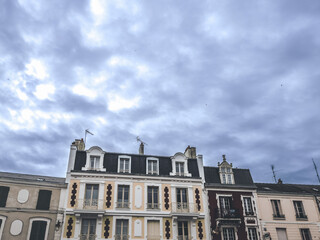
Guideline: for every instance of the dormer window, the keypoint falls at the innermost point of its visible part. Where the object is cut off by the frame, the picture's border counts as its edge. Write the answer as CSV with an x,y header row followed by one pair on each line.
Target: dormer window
x,y
180,168
124,164
94,159
225,170
180,165
94,162
153,166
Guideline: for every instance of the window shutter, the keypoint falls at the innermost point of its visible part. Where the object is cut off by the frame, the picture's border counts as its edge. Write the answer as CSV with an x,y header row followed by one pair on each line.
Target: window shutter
x,y
44,199
3,195
38,230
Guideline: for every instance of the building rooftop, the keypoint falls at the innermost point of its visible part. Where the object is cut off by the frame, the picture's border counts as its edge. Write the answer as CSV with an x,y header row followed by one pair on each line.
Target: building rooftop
x,y
282,188
31,178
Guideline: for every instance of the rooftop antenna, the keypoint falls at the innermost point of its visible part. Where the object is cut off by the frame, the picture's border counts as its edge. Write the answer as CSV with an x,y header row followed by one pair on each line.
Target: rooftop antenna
x,y
315,168
274,174
140,141
85,135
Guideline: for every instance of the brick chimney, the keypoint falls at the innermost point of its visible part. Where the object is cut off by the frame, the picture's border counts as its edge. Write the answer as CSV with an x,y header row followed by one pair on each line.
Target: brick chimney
x,y
79,143
190,152
141,148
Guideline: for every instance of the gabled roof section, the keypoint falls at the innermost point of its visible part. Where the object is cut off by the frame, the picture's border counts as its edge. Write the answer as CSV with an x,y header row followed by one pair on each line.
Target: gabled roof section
x,y
242,178
24,178
276,188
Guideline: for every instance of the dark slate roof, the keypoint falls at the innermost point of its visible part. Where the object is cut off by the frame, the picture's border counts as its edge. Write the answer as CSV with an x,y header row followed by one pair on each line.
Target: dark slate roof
x,y
138,164
288,188
242,178
32,178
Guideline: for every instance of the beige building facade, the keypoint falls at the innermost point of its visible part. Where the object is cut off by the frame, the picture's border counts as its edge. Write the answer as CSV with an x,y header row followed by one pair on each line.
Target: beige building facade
x,y
134,196
29,207
289,211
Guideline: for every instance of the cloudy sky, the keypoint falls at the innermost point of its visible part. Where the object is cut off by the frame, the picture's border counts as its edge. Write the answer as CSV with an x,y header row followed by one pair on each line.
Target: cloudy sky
x,y
240,78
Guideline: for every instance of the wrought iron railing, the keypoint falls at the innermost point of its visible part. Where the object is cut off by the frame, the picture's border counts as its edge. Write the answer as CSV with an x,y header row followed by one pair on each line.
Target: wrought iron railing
x,y
184,238
227,213
279,216
249,213
301,216
183,207
88,236
90,204
121,237
153,206
122,204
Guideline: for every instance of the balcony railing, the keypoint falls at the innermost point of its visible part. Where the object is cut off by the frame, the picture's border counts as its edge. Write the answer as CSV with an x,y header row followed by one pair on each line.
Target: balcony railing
x,y
90,204
121,237
87,236
278,216
249,213
155,206
227,213
122,204
301,216
184,238
184,207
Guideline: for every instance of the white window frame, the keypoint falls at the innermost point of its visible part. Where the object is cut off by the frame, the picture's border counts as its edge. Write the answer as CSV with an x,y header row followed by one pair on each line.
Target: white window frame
x,y
115,199
115,218
94,152
126,157
39,219
159,196
3,218
252,205
146,219
152,159
248,234
234,231
179,157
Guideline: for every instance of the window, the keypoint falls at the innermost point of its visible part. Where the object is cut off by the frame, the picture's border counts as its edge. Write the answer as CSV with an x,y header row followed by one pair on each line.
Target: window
x,y
123,196
252,232
3,195
228,234
225,171
122,229
180,168
38,229
277,211
182,199
124,165
153,198
44,199
88,229
305,234
152,166
248,206
282,234
91,195
2,222
298,206
183,231
94,162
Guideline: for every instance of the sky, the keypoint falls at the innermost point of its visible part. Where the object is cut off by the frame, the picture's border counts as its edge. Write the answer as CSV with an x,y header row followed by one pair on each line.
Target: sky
x,y
239,78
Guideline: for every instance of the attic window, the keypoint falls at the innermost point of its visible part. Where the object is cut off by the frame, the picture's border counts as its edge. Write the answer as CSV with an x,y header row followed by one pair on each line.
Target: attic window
x,y
225,170
94,159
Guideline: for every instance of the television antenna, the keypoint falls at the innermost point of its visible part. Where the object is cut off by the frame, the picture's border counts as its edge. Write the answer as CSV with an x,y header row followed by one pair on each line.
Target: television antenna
x,y
274,173
85,135
315,168
140,141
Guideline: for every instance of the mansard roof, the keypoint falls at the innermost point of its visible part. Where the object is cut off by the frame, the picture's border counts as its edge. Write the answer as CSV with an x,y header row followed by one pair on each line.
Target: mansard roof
x,y
138,164
281,188
242,178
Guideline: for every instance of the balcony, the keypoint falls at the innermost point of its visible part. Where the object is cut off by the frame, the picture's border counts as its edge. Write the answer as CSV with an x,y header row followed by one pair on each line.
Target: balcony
x,y
125,205
279,216
89,204
301,217
153,206
227,213
184,208
249,213
121,237
87,236
184,238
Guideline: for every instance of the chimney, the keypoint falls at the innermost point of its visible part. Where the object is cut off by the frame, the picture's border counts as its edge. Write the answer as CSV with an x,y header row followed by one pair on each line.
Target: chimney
x,y
79,143
190,152
141,148
279,181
